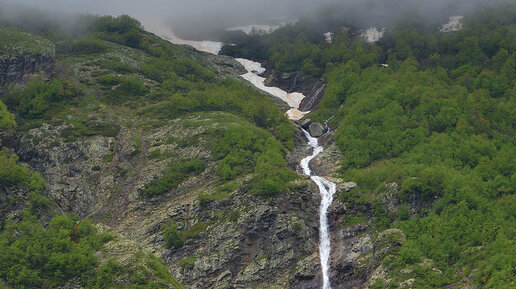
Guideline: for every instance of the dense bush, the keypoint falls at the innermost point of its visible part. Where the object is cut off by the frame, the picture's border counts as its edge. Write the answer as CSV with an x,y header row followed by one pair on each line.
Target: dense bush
x,y
122,29
13,173
38,96
244,150
33,255
86,45
6,118
438,121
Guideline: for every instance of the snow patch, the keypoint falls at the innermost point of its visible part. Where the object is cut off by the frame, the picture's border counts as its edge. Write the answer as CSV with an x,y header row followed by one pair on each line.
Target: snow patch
x,y
454,24
372,34
296,114
328,36
254,70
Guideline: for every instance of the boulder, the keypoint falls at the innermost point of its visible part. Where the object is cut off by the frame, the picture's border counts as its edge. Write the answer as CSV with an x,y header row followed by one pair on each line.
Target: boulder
x,y
316,129
349,186
305,124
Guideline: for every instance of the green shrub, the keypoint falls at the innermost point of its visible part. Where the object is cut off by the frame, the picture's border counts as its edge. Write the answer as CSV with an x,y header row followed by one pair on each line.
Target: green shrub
x,y
38,254
89,129
121,89
6,118
38,96
173,175
108,158
175,238
187,262
79,46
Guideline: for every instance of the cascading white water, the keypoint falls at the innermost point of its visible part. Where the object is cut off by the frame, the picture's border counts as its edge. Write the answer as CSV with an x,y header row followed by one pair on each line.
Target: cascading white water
x,y
327,190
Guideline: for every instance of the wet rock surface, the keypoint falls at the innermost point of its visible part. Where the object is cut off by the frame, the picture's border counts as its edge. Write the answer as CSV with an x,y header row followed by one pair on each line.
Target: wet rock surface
x,y
312,88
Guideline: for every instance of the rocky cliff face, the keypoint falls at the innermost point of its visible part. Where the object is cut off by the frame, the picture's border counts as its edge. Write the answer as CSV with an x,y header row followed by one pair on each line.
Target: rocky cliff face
x,y
19,69
22,55
312,88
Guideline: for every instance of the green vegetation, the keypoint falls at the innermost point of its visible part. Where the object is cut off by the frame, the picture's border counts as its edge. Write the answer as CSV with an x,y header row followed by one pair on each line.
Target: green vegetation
x,y
222,193
6,118
175,238
14,42
439,121
110,70
173,175
80,129
121,89
39,96
85,45
38,257
34,256
187,262
243,150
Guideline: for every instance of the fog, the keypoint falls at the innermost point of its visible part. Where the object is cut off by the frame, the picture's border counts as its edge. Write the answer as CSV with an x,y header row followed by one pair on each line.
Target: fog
x,y
200,19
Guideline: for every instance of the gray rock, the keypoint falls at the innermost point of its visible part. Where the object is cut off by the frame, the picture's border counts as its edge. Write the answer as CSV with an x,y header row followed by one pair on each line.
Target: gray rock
x,y
19,69
316,129
305,124
349,186
388,241
307,268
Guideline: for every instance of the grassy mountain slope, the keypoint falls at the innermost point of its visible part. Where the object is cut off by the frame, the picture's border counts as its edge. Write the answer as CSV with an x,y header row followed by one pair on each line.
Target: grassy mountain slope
x,y
138,134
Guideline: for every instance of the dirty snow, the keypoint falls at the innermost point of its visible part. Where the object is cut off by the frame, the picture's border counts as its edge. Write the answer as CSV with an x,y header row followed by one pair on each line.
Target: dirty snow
x,y
454,24
328,36
372,34
254,69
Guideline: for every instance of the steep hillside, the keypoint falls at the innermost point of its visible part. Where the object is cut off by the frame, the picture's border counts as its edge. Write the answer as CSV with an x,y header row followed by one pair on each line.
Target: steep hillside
x,y
424,120
166,151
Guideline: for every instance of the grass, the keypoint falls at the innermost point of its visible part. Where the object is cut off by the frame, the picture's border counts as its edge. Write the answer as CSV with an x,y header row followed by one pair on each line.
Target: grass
x,y
187,262
222,193
81,129
173,175
15,42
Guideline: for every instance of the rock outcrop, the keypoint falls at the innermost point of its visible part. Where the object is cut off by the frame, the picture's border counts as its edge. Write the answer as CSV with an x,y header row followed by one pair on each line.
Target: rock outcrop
x,y
316,129
25,56
19,69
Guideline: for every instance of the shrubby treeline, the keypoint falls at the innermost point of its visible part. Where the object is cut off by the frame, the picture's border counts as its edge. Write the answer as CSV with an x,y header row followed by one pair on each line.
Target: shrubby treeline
x,y
438,120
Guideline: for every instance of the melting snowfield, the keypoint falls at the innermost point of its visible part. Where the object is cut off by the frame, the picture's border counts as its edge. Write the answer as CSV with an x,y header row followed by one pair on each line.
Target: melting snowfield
x,y
454,24
372,34
253,68
292,99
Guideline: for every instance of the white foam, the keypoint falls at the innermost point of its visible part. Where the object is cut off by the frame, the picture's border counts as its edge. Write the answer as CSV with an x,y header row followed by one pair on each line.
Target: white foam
x,y
454,24
327,189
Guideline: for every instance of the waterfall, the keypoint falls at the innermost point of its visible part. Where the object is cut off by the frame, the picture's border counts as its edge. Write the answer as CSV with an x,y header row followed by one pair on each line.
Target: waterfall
x,y
314,97
327,190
